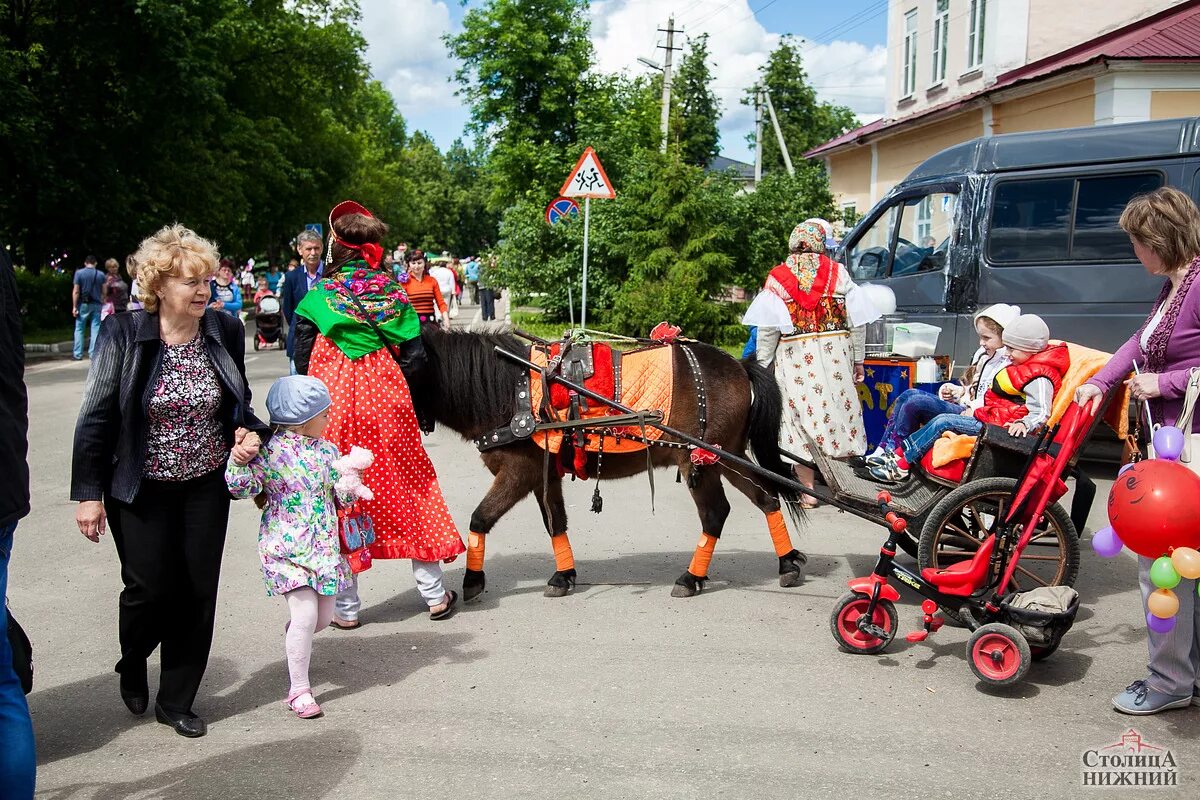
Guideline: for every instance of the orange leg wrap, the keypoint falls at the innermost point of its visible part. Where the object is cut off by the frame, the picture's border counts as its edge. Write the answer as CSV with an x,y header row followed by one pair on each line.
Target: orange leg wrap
x,y
779,534
475,547
703,556
564,559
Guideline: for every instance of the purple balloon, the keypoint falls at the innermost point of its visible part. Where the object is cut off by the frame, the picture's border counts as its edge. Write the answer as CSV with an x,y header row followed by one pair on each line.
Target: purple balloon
x,y
1125,468
1106,543
1158,624
1168,443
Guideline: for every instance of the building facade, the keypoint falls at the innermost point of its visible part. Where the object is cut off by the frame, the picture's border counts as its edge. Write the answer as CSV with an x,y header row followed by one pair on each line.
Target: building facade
x,y
960,69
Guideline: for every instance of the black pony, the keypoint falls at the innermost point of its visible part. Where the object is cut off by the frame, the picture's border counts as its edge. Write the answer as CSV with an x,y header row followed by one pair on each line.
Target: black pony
x,y
472,391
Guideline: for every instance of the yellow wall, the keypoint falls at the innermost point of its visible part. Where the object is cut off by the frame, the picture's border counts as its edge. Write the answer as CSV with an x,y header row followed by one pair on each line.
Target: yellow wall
x,y
850,178
1055,26
1071,106
899,154
1168,105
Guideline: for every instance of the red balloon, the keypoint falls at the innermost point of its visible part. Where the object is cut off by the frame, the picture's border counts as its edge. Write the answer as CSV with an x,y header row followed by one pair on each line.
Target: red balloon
x,y
1155,506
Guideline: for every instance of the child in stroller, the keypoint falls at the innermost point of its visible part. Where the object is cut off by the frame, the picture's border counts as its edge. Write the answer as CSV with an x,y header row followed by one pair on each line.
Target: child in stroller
x,y
268,322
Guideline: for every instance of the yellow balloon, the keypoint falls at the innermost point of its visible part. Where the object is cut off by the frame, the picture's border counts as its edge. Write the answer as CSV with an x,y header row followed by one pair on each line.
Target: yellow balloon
x,y
1163,603
1186,561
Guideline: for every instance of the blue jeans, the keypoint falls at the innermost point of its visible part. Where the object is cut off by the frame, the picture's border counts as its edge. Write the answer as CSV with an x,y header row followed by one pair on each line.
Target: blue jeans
x,y
17,762
487,303
89,313
912,409
922,441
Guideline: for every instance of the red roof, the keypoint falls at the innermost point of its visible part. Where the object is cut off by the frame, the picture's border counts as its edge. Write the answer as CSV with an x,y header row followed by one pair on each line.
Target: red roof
x,y
1169,36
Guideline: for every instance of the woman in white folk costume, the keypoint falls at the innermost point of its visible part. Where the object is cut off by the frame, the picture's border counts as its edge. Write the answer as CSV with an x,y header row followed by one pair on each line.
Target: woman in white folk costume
x,y
810,317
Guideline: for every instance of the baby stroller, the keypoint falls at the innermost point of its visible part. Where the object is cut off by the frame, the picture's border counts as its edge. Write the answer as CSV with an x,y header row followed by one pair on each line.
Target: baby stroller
x,y
268,323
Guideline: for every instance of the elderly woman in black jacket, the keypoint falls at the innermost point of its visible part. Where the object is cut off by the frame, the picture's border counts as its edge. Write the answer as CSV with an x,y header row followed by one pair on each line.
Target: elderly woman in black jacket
x,y
166,402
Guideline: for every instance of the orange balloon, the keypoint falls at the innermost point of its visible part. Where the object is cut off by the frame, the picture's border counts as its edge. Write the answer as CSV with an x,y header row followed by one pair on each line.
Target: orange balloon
x,y
1186,562
1163,603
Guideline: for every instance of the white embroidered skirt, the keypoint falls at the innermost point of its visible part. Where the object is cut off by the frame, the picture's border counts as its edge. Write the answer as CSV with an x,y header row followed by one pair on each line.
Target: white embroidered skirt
x,y
821,408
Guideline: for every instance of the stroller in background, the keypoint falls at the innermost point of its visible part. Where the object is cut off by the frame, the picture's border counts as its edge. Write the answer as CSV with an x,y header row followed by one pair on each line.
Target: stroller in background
x,y
268,323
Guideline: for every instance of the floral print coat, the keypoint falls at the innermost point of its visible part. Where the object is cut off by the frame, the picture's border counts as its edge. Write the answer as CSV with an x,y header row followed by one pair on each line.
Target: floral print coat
x,y
298,537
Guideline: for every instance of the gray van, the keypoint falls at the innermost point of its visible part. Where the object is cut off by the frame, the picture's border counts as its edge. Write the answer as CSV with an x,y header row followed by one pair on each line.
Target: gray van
x,y
1030,219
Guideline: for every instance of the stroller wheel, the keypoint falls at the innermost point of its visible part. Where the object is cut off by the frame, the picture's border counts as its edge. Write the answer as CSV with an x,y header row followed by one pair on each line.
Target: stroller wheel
x,y
257,343
843,623
999,655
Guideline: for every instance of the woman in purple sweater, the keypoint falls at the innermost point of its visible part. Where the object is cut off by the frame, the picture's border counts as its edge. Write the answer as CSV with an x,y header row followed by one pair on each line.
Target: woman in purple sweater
x,y
1164,227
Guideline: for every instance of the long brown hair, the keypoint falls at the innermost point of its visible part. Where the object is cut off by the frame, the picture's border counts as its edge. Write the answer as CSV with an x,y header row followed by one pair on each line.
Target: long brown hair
x,y
354,229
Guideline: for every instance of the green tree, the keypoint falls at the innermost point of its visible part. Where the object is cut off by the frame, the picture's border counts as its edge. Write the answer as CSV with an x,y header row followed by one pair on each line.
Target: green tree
x,y
523,62
804,120
677,245
696,106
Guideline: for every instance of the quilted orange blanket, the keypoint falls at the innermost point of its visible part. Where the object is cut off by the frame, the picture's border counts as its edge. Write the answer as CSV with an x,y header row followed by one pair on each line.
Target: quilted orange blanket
x,y
647,384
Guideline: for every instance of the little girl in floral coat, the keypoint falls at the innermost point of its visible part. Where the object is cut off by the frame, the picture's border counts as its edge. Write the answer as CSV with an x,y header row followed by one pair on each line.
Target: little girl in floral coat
x,y
298,539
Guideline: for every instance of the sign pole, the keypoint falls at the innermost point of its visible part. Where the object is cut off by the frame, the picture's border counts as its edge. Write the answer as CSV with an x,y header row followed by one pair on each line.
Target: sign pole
x,y
587,216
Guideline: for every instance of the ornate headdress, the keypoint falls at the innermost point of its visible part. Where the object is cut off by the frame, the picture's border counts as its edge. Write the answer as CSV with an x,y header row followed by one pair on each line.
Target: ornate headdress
x,y
371,252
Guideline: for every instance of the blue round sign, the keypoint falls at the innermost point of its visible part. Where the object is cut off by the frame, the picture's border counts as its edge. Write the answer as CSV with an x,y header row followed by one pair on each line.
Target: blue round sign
x,y
560,209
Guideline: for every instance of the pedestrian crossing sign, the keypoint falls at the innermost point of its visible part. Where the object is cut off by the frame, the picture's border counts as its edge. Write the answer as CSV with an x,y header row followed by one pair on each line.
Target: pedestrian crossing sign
x,y
588,179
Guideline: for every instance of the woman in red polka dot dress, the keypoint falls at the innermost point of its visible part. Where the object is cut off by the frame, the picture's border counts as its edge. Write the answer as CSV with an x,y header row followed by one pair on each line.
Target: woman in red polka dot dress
x,y
356,332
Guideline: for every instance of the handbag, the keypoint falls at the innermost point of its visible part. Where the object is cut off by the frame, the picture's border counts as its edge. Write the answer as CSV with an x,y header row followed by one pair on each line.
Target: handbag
x,y
1190,457
453,313
356,533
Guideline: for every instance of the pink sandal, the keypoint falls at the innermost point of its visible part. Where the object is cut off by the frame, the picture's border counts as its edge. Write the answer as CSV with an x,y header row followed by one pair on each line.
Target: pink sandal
x,y
307,710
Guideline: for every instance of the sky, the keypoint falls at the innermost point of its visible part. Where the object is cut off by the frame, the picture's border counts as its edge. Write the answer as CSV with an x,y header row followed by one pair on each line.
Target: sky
x,y
844,52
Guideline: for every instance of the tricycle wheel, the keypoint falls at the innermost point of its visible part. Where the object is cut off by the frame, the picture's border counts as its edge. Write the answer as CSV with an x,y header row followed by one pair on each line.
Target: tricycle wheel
x,y
999,655
256,343
844,624
964,518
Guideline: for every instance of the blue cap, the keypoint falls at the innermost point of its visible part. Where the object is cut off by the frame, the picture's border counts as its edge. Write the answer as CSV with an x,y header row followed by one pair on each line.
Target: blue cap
x,y
295,399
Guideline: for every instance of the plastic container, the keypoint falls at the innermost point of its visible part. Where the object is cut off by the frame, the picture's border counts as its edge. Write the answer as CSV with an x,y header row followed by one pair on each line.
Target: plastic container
x,y
916,339
876,341
927,370
890,321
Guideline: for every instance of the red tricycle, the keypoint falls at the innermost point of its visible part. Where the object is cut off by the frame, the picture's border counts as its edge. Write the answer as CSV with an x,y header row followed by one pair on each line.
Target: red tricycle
x,y
1006,635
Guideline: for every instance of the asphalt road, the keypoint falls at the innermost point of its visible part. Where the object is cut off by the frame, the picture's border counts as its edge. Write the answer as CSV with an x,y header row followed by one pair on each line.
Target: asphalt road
x,y
616,691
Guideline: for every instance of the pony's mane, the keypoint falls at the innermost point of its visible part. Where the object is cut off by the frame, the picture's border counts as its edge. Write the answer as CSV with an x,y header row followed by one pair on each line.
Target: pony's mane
x,y
474,389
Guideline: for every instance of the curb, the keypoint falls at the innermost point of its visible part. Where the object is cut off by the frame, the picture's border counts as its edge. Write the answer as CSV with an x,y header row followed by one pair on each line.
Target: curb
x,y
52,350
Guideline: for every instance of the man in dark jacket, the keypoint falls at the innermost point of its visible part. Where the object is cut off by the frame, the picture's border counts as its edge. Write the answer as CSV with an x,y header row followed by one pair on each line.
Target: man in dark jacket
x,y
299,281
17,762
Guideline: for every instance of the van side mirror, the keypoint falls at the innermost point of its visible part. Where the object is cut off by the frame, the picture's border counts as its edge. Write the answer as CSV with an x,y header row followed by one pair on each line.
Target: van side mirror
x,y
868,266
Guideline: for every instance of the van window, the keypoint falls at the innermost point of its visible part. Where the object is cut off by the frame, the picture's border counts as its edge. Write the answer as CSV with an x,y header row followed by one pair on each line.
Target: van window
x,y
1063,219
916,243
1097,235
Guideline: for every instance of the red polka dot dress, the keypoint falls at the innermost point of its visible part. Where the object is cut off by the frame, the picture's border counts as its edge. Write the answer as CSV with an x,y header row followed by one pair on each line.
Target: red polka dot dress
x,y
373,408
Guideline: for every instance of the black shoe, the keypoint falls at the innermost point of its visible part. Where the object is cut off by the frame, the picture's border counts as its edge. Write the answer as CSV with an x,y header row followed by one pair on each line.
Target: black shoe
x,y
188,725
135,692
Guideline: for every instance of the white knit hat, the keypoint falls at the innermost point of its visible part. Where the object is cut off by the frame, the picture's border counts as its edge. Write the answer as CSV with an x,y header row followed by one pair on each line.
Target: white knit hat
x,y
1002,313
1028,332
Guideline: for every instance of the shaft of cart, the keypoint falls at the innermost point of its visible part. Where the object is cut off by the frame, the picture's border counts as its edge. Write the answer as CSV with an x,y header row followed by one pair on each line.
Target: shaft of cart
x,y
724,455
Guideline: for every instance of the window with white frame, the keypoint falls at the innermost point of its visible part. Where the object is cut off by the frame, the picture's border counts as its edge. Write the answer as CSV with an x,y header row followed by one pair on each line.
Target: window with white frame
x,y
975,31
910,54
849,214
941,29
924,220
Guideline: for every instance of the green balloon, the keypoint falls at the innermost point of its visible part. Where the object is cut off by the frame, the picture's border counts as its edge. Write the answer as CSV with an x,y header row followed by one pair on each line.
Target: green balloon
x,y
1163,574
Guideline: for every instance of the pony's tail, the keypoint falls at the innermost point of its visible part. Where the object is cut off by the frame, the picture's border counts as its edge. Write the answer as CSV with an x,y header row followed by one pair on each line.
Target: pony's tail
x,y
766,417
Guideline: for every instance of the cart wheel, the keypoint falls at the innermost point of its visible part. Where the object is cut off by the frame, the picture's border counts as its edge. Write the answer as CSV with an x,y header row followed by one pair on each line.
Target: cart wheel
x,y
999,655
961,520
844,624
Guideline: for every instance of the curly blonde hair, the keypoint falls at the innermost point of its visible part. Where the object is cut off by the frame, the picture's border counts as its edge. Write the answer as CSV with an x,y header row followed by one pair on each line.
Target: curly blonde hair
x,y
171,251
1168,222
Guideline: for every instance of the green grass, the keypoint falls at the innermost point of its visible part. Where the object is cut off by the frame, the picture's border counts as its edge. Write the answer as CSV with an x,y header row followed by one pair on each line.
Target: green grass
x,y
50,335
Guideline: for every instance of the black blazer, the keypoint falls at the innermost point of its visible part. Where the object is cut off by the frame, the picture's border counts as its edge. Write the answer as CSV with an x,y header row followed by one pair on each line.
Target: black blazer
x,y
14,417
110,436
295,286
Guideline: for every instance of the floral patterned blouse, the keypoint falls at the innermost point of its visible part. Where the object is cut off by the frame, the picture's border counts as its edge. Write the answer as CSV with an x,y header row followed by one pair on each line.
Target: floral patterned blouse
x,y
298,537
184,438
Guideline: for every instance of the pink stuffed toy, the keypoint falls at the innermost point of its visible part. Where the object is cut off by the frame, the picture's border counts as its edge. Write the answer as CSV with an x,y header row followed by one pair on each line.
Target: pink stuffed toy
x,y
350,467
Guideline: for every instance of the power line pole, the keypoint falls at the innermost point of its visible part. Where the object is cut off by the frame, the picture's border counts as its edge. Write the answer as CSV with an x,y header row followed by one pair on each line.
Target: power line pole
x,y
758,134
666,92
787,159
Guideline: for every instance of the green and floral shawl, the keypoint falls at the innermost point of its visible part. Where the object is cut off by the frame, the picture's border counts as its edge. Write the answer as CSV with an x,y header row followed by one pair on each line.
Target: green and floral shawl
x,y
329,306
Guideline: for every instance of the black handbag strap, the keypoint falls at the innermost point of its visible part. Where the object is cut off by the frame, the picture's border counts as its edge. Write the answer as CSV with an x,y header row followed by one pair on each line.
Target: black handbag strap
x,y
375,327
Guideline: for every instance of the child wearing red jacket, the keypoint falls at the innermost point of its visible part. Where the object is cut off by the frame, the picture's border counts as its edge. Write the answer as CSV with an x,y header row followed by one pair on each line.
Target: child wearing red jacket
x,y
1019,399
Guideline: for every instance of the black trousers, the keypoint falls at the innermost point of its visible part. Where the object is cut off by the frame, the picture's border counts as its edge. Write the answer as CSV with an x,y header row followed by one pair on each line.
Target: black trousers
x,y
487,303
170,540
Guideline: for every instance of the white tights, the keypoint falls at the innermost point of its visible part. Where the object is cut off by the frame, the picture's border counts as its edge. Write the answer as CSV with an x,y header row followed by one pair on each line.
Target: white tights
x,y
310,613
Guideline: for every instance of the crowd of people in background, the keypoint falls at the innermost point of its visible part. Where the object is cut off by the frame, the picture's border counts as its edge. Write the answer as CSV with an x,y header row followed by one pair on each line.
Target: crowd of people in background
x,y
238,290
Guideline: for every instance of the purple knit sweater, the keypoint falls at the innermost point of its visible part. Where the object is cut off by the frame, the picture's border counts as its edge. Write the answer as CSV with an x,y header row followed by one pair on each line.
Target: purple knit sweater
x,y
1183,353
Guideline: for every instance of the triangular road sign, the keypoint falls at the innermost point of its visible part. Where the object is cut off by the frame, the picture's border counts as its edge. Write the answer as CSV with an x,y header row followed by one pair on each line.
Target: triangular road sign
x,y
588,179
